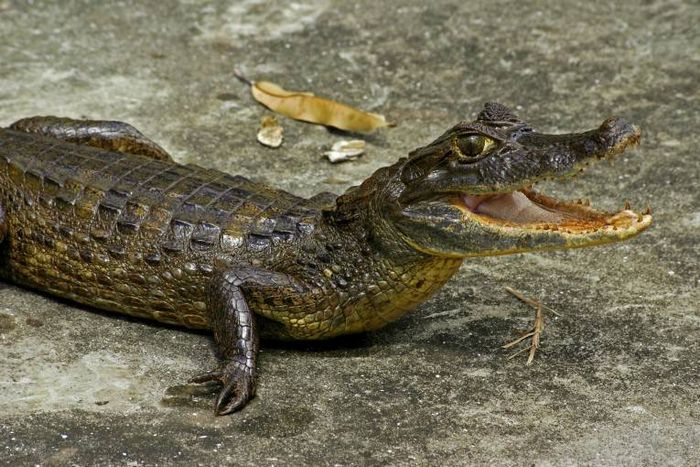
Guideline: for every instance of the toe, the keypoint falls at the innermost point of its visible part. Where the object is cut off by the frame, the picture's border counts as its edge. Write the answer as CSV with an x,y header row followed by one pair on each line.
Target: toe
x,y
234,395
215,375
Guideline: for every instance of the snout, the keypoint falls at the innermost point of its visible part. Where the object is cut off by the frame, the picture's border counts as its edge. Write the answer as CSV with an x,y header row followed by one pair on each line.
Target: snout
x,y
618,133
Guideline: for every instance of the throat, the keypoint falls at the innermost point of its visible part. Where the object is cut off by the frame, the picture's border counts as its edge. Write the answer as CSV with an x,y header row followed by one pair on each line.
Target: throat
x,y
400,289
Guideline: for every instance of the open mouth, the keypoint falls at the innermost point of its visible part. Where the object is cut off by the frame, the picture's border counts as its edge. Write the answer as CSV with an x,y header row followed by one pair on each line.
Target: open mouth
x,y
527,209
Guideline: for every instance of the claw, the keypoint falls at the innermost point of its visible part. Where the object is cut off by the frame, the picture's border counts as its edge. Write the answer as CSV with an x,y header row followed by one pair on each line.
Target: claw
x,y
233,396
207,377
238,383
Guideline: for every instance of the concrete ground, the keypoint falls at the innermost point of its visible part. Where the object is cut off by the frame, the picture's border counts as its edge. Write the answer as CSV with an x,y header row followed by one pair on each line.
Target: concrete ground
x,y
616,381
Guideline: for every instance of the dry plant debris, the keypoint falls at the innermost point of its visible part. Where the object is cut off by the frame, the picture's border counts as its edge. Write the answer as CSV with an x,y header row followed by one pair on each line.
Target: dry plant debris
x,y
307,107
270,132
346,150
537,328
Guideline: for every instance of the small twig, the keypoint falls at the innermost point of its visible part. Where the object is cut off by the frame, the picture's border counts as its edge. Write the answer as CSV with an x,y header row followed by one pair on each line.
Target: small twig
x,y
537,328
518,340
511,356
530,301
241,77
452,312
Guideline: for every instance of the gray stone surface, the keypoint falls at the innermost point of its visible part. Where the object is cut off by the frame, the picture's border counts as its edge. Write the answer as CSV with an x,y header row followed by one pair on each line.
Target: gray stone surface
x,y
616,381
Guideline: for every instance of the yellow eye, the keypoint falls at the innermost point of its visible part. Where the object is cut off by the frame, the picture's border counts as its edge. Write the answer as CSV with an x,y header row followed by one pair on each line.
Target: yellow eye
x,y
471,146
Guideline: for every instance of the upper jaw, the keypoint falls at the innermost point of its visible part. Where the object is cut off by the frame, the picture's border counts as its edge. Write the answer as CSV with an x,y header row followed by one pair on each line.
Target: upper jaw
x,y
560,156
524,158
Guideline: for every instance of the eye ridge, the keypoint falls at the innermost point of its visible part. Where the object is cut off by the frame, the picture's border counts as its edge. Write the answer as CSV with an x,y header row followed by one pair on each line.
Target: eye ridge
x,y
471,147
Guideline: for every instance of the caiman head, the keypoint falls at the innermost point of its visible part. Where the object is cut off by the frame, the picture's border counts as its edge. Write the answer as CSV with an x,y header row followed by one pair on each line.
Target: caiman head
x,y
470,192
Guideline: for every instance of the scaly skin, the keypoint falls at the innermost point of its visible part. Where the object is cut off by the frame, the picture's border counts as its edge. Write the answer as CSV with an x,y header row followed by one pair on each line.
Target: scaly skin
x,y
134,235
97,213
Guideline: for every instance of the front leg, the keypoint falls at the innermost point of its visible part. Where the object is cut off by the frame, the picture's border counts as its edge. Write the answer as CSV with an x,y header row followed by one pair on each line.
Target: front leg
x,y
236,334
103,134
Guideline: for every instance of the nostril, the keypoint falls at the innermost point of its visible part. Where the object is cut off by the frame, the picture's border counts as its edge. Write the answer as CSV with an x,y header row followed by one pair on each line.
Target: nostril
x,y
619,129
613,123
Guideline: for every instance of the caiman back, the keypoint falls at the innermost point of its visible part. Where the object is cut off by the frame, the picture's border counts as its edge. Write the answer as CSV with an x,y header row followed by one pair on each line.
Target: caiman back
x,y
133,234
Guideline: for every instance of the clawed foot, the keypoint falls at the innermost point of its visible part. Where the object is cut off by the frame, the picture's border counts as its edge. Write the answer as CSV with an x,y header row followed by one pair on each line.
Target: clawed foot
x,y
536,331
238,383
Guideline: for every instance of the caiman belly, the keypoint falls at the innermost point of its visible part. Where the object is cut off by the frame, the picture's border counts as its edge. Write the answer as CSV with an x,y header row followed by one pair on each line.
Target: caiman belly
x,y
129,233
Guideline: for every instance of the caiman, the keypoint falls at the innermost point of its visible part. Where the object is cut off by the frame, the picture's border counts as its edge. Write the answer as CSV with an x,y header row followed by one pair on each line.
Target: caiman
x,y
94,212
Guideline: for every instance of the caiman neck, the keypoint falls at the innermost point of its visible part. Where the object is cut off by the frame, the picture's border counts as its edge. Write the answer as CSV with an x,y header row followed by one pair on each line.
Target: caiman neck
x,y
361,212
389,278
384,276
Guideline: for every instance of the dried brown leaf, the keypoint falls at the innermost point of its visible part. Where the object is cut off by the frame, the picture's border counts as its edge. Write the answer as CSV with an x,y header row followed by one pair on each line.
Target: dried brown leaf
x,y
307,107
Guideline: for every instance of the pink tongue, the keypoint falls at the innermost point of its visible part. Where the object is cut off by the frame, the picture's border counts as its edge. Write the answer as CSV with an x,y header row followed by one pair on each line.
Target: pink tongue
x,y
514,207
473,202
